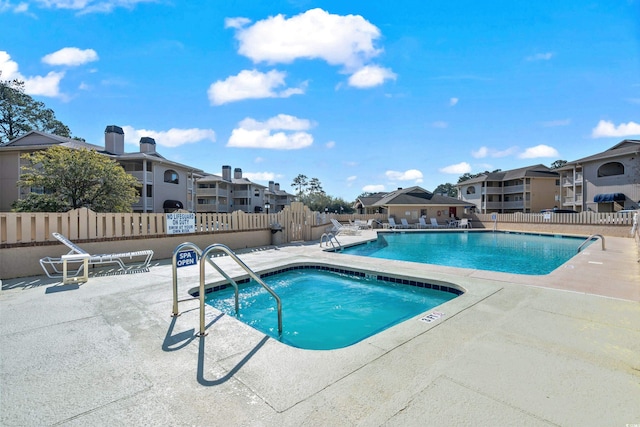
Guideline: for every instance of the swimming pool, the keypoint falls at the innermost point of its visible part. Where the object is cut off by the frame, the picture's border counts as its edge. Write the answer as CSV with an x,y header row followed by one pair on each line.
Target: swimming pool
x,y
507,252
327,308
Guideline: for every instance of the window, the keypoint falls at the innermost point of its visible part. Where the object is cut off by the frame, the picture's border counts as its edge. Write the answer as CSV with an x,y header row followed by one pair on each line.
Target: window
x,y
471,190
171,176
611,169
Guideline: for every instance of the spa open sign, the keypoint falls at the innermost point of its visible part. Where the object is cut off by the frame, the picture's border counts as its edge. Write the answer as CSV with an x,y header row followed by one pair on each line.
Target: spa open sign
x,y
181,223
186,258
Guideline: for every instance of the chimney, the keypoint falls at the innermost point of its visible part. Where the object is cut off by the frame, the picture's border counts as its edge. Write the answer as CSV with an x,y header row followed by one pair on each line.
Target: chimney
x,y
147,145
226,173
237,173
277,186
114,139
271,186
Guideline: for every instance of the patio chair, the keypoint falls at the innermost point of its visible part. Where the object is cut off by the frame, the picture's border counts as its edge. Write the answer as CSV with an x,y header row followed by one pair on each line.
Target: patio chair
x,y
404,223
434,223
343,229
422,223
392,223
137,259
464,223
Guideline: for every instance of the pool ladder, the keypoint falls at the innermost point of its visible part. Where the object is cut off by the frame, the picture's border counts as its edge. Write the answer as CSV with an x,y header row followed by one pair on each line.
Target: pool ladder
x,y
204,256
330,238
593,236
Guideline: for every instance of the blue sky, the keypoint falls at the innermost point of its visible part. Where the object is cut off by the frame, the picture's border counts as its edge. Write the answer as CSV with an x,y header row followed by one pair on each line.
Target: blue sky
x,y
365,96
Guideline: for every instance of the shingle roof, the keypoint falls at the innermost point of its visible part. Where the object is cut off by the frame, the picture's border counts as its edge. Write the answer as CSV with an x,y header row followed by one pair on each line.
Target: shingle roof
x,y
417,196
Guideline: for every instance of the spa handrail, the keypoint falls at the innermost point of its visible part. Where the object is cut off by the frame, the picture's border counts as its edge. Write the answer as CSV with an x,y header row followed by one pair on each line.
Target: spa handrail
x,y
219,247
189,245
593,236
330,238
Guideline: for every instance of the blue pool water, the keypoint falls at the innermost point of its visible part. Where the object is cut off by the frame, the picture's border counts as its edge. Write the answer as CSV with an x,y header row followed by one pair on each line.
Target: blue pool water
x,y
518,253
324,310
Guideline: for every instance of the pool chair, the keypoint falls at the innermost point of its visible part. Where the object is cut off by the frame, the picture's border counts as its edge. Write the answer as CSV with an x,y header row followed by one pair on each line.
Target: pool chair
x,y
422,223
464,223
434,223
392,223
344,229
404,223
53,267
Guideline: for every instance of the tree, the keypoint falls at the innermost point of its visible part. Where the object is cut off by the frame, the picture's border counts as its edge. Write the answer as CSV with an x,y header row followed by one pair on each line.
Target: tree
x,y
20,113
467,176
301,182
315,186
447,189
558,164
70,179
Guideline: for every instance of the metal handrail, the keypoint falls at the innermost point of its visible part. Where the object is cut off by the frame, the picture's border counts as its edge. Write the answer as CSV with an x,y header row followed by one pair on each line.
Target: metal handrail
x,y
593,236
193,246
330,238
222,248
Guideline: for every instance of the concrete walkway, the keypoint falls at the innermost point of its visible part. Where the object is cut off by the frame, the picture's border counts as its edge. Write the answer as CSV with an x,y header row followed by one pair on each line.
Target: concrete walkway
x,y
561,349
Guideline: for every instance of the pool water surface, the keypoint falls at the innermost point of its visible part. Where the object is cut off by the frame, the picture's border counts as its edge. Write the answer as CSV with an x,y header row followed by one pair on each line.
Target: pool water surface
x,y
324,310
518,253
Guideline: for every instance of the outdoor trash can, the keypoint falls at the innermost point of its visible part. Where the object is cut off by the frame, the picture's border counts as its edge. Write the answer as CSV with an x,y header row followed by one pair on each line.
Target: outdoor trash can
x,y
276,234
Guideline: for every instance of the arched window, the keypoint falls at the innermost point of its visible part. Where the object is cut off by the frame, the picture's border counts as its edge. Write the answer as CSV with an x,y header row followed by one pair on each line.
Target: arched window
x,y
171,176
611,169
471,190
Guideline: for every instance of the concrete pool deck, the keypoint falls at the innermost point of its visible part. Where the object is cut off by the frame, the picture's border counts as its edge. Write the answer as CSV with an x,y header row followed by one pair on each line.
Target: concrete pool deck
x,y
560,349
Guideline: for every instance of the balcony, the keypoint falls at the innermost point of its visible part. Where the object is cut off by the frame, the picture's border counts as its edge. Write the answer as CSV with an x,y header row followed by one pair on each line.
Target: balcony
x,y
140,175
491,190
514,189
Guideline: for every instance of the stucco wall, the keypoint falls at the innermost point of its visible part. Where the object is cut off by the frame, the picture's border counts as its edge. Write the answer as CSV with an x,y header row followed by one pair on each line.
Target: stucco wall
x,y
22,261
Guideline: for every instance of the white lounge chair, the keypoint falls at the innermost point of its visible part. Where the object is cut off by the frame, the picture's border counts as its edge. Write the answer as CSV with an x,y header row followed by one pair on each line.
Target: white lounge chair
x,y
137,259
404,223
464,223
392,223
343,229
422,223
434,223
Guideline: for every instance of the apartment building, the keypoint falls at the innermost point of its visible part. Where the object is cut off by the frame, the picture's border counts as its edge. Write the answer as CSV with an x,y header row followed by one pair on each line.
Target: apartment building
x,y
527,189
605,182
165,185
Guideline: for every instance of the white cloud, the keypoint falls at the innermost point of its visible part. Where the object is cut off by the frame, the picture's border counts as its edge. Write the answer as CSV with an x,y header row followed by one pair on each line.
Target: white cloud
x,y
556,123
539,151
254,134
330,144
17,8
484,151
453,101
540,57
460,168
607,129
236,22
251,84
259,176
90,6
315,34
373,188
170,138
48,85
481,153
409,175
370,76
70,56
440,124
351,178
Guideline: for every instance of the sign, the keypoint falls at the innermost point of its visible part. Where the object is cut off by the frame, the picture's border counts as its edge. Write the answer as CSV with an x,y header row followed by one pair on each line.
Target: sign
x,y
186,258
181,223
432,317
494,217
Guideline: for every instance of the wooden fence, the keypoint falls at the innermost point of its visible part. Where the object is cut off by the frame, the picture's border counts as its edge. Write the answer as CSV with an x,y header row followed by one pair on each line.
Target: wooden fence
x,y
297,222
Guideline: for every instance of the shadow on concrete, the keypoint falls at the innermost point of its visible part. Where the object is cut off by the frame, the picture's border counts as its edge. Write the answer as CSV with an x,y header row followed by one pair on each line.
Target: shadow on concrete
x,y
232,372
182,339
